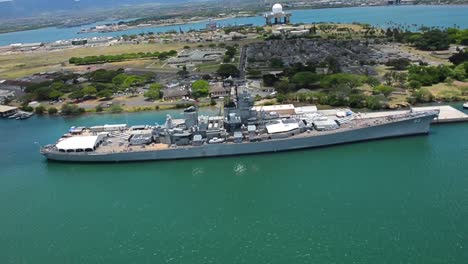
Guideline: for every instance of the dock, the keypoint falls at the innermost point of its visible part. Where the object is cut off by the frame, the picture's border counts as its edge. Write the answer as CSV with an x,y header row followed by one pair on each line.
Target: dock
x,y
448,114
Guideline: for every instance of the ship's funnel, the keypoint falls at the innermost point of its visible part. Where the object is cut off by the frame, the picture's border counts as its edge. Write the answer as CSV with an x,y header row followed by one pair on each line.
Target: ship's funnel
x,y
191,117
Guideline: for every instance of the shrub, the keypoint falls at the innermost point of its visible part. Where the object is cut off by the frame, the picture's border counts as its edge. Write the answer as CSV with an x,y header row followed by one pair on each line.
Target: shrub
x,y
423,95
115,109
71,109
413,84
27,108
99,108
39,110
52,110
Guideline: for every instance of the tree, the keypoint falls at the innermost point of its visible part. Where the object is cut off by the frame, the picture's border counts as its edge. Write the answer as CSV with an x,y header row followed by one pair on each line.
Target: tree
x,y
283,86
42,93
76,95
459,58
119,79
200,88
54,94
226,70
102,75
432,40
230,52
305,79
106,94
459,73
383,89
154,93
357,100
269,80
398,64
333,64
52,110
133,80
89,90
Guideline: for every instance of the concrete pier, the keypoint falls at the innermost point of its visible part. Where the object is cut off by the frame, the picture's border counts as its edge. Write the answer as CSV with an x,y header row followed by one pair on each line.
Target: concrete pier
x,y
447,114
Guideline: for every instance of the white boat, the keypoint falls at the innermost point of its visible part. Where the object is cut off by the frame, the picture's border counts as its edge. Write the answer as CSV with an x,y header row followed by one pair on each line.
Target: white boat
x,y
465,105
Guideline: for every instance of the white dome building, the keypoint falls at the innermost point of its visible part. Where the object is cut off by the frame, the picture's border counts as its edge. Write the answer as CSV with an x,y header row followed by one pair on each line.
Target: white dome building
x,y
277,9
277,15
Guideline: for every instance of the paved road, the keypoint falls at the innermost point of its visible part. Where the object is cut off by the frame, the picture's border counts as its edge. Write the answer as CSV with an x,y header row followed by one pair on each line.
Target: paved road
x,y
242,61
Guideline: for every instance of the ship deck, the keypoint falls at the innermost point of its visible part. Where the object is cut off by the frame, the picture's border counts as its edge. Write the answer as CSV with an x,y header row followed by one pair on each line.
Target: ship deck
x,y
116,143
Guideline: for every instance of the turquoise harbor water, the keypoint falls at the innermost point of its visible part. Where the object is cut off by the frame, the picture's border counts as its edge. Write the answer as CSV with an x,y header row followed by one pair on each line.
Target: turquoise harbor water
x,y
384,16
400,200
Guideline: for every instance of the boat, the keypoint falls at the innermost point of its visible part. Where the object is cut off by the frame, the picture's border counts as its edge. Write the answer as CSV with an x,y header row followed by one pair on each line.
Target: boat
x,y
21,115
465,105
243,129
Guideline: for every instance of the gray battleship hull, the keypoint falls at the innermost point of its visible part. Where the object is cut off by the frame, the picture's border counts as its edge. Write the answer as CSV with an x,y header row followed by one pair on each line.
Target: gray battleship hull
x,y
407,127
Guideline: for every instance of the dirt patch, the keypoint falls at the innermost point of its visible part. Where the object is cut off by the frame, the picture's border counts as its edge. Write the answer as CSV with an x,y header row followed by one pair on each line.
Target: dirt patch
x,y
460,84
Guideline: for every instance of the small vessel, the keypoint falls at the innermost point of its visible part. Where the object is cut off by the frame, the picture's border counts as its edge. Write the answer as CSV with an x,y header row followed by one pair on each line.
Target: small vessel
x,y
21,115
13,116
465,105
243,129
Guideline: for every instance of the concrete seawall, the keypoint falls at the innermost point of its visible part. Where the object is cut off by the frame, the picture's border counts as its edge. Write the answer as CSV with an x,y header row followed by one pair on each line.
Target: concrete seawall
x,y
448,114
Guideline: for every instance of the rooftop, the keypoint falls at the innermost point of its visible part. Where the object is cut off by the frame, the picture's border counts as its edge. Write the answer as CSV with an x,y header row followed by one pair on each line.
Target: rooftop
x,y
7,108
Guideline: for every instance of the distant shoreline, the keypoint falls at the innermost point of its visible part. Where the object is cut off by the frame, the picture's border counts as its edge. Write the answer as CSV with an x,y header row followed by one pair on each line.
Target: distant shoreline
x,y
32,27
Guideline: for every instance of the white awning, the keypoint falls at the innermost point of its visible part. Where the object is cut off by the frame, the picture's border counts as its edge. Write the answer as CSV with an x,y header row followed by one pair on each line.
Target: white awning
x,y
79,142
281,127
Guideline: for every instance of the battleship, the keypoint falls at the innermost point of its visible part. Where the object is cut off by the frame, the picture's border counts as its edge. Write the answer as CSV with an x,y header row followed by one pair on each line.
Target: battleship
x,y
242,129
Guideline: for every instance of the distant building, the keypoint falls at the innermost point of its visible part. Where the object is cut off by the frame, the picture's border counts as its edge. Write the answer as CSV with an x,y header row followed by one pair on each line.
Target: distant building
x,y
219,90
277,16
175,94
79,42
191,57
26,46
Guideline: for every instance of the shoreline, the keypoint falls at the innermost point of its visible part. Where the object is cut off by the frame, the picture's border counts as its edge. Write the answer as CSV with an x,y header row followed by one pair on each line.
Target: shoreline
x,y
320,108
166,24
